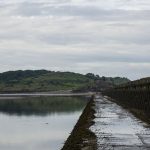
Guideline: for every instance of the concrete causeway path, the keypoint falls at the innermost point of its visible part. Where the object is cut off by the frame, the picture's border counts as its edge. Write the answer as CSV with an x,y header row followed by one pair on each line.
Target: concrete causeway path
x,y
118,129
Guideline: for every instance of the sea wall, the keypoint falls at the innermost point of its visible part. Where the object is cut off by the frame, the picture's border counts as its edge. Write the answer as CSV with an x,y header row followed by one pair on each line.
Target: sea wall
x,y
135,96
81,137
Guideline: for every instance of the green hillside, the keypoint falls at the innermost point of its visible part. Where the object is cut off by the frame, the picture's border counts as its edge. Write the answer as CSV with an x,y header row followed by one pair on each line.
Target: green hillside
x,y
43,80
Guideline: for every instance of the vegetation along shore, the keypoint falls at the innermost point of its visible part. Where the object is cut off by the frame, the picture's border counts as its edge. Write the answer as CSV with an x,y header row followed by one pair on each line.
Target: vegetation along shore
x,y
43,81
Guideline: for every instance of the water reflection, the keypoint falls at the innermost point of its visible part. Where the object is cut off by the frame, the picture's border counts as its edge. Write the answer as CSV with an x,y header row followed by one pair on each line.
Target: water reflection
x,y
38,123
42,105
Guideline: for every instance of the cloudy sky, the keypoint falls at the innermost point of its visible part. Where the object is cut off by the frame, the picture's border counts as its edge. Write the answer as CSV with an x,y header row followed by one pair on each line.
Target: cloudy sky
x,y
106,37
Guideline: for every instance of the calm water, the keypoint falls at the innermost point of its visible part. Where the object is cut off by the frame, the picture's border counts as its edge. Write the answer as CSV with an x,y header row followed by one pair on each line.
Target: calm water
x,y
42,123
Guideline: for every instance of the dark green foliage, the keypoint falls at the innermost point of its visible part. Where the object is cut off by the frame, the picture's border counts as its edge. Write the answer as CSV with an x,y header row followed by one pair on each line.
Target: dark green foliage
x,y
42,80
92,76
15,76
111,80
116,80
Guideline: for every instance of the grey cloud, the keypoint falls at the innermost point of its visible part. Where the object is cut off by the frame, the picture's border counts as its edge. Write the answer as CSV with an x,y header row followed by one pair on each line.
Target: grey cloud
x,y
110,57
110,66
77,37
119,36
67,39
60,58
87,12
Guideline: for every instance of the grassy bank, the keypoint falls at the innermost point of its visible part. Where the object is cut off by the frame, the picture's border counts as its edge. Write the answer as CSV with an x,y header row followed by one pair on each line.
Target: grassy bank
x,y
43,80
81,137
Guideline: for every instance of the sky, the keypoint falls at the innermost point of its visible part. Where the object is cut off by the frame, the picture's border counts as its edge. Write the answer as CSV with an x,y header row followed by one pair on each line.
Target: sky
x,y
105,37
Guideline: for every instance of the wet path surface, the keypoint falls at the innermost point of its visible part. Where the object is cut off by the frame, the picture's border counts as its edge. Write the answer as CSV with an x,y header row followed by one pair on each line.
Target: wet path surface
x,y
117,129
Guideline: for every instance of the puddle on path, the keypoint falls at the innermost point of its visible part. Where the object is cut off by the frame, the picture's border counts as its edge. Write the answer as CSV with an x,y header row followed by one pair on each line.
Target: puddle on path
x,y
118,129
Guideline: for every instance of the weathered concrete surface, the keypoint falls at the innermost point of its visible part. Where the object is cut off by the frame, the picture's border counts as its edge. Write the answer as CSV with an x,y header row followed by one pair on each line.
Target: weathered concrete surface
x,y
117,129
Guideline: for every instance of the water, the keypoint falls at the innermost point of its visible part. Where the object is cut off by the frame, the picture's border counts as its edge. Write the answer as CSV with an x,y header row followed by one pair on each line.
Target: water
x,y
38,123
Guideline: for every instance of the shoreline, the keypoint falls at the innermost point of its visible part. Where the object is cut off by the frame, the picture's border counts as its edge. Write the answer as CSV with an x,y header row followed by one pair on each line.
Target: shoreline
x,y
82,138
37,94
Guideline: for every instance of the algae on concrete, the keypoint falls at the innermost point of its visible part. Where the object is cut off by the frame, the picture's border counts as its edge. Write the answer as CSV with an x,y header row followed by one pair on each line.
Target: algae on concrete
x,y
82,138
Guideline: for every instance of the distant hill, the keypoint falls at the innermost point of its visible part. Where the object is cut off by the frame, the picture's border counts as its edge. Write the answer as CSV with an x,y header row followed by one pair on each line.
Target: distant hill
x,y
43,80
